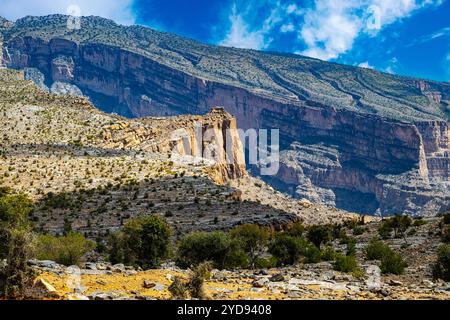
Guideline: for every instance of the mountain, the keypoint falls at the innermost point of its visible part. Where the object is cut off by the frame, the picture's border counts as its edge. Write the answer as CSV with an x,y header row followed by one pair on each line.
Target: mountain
x,y
351,137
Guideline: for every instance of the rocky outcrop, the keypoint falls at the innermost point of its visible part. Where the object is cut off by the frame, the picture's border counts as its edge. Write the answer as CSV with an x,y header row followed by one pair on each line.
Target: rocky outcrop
x,y
389,152
212,139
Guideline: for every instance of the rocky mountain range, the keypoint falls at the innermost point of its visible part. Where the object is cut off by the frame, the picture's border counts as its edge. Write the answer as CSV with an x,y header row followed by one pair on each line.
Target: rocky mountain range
x,y
352,138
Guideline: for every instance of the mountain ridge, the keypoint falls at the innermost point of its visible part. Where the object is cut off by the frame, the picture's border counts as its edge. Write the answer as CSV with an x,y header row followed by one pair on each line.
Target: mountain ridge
x,y
389,136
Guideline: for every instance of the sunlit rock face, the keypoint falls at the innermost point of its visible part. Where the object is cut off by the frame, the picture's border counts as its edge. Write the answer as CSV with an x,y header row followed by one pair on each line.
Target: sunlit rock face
x,y
352,138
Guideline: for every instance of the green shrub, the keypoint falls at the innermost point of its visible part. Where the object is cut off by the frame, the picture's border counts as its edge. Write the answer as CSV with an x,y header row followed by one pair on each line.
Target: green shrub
x,y
351,247
144,242
67,250
441,269
357,231
312,254
393,263
376,249
346,264
385,230
252,239
446,218
286,249
319,235
329,254
419,222
297,230
217,247
16,245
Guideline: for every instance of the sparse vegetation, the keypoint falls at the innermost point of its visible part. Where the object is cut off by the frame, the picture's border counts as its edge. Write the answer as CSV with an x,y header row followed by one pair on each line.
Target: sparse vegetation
x,y
67,250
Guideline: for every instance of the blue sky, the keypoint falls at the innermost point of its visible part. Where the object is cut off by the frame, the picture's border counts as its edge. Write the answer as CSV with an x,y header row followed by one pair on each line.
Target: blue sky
x,y
407,37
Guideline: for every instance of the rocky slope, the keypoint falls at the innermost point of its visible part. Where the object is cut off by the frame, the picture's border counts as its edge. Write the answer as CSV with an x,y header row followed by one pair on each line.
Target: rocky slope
x,y
93,171
347,133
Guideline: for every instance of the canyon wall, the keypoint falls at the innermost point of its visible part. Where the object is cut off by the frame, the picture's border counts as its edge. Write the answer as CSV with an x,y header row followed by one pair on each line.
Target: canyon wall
x,y
357,161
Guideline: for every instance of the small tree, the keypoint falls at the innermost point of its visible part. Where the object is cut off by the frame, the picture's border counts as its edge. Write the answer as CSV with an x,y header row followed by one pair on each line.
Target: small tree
x,y
253,240
144,242
287,249
319,235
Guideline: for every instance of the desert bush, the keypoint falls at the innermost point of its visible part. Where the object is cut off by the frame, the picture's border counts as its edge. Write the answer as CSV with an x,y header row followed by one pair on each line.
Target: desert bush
x,y
358,230
392,263
441,269
385,230
329,254
376,249
346,264
178,289
252,239
319,235
194,286
217,247
197,280
144,242
311,253
67,250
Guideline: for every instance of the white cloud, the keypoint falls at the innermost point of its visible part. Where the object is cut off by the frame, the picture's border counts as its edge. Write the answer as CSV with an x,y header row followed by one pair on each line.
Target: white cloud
x,y
365,65
287,28
243,35
332,26
240,35
118,10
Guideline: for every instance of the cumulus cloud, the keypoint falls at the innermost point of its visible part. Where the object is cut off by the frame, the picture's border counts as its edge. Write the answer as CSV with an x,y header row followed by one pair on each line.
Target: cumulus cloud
x,y
331,26
118,10
243,34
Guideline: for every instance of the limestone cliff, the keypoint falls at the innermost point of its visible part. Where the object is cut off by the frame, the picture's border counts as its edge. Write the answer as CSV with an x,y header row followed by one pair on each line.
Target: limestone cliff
x,y
386,138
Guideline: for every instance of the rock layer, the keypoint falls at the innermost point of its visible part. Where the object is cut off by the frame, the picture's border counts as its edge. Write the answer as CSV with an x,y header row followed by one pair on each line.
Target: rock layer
x,y
387,146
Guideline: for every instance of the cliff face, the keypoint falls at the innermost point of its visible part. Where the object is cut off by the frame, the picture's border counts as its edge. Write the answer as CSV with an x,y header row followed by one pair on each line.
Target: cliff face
x,y
211,140
391,153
